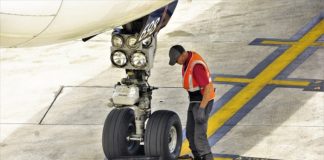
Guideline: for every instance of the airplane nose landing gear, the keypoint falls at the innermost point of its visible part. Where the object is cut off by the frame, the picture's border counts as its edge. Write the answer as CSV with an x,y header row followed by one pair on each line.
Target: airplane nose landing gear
x,y
125,134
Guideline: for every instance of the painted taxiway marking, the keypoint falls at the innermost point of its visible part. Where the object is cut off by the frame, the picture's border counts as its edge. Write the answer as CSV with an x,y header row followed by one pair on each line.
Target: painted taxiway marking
x,y
274,42
266,76
307,84
289,83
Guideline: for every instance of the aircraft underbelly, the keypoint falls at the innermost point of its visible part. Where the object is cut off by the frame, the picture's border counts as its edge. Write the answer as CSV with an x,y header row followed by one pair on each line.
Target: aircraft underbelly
x,y
34,23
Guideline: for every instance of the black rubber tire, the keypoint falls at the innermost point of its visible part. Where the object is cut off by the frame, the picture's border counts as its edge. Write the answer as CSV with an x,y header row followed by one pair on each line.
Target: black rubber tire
x,y
119,124
156,140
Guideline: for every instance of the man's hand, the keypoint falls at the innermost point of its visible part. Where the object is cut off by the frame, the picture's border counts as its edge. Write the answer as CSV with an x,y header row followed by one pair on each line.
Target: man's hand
x,y
208,89
201,115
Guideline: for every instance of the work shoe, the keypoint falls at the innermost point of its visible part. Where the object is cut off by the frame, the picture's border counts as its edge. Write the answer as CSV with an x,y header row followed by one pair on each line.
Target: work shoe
x,y
197,158
208,156
196,155
185,157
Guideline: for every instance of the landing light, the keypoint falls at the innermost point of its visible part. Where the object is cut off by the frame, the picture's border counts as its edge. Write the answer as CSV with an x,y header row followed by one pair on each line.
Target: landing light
x,y
138,60
131,42
118,58
117,41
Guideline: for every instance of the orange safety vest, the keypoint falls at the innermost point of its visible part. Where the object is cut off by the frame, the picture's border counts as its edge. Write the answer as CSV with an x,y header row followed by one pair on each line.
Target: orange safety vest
x,y
189,82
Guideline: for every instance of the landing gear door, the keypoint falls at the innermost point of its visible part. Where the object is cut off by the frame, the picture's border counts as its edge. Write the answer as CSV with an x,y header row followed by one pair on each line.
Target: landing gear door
x,y
157,20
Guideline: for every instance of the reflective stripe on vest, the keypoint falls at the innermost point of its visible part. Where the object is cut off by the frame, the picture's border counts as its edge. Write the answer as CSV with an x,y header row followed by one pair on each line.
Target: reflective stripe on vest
x,y
191,85
188,81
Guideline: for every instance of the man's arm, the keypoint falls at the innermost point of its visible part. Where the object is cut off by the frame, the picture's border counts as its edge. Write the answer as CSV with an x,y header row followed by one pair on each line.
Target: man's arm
x,y
208,89
203,81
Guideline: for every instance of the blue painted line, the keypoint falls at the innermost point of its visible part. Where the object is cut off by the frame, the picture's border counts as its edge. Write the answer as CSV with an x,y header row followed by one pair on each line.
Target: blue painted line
x,y
321,39
232,83
219,103
295,64
225,98
226,155
307,27
259,41
264,63
283,86
227,75
268,89
240,115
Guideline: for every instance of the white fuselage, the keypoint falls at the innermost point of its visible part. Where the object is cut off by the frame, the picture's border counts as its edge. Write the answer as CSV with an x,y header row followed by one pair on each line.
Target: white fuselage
x,y
25,23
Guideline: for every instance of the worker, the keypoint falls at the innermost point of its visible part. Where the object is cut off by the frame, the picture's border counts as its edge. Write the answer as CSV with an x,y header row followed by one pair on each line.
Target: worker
x,y
198,83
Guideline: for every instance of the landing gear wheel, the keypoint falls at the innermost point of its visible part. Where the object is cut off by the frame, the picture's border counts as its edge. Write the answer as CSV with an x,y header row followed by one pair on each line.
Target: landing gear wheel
x,y
163,135
119,124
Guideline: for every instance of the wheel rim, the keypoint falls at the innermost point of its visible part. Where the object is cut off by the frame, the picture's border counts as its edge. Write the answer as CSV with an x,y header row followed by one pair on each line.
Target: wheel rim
x,y
131,144
172,139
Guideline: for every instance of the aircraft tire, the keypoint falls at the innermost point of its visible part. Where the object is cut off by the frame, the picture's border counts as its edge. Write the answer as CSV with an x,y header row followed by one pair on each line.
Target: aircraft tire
x,y
119,124
163,135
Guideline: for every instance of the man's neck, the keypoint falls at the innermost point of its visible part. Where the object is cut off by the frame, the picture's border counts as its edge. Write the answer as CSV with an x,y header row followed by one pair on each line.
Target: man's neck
x,y
186,55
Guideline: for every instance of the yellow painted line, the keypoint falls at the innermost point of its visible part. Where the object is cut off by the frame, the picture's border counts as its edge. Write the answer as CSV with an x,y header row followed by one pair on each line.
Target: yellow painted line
x,y
290,83
277,42
318,44
232,80
315,44
275,82
259,82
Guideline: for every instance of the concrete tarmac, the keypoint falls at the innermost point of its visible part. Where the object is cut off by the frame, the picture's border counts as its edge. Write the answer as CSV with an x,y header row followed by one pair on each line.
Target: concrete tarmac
x,y
262,109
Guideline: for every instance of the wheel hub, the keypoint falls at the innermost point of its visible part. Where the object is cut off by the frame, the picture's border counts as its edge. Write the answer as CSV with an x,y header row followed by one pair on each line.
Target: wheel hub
x,y
172,139
131,130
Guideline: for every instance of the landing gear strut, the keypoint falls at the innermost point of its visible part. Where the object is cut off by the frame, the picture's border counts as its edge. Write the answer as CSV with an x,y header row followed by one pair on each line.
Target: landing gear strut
x,y
125,134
